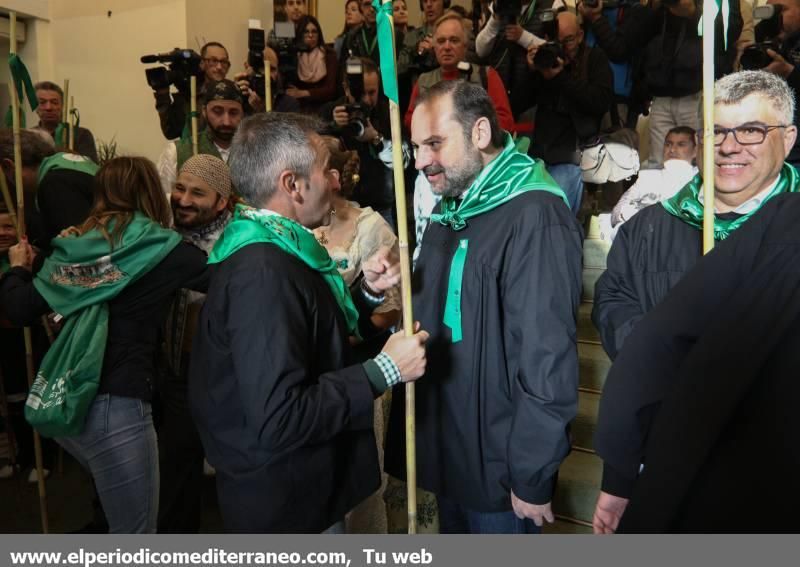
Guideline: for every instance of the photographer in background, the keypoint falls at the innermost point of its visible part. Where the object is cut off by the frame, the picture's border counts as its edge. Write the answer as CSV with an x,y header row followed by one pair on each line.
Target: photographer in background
x,y
514,27
361,119
673,66
281,102
621,28
778,49
572,88
173,109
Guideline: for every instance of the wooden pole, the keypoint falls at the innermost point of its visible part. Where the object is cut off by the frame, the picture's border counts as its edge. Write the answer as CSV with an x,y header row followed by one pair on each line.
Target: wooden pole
x,y
408,314
71,119
267,85
193,96
709,7
15,109
64,115
12,210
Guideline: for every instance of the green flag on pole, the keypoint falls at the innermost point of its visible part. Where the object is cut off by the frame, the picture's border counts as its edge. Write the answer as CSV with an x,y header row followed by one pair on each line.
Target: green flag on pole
x,y
23,84
716,6
386,48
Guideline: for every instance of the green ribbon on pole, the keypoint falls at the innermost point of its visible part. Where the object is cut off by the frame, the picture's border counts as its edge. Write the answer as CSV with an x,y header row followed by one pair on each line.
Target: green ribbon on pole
x,y
186,134
24,86
718,5
386,49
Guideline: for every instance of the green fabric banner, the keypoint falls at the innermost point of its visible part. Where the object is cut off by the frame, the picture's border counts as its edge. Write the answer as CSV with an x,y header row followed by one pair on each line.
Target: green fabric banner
x,y
250,226
23,85
386,47
686,205
78,280
507,176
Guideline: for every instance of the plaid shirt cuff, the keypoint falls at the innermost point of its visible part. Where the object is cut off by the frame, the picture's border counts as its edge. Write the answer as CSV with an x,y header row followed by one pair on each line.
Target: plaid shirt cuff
x,y
390,370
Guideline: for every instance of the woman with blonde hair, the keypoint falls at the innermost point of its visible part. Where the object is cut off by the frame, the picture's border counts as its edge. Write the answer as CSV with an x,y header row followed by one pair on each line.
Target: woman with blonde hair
x,y
111,279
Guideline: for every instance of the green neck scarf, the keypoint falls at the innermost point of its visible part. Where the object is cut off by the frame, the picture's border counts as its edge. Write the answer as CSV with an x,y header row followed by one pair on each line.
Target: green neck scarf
x,y
507,176
4,264
78,280
687,207
251,226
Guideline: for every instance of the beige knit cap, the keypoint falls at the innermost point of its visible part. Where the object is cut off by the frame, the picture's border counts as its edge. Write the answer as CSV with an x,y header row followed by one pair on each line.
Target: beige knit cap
x,y
212,170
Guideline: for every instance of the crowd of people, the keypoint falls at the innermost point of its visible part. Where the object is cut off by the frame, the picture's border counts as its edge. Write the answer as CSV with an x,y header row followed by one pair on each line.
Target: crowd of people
x,y
234,310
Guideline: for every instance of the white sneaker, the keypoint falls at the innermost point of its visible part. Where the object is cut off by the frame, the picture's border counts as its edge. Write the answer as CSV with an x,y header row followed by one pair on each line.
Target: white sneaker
x,y
33,477
7,471
208,470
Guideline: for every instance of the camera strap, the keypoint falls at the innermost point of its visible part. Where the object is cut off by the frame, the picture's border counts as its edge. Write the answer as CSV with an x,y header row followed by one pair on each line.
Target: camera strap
x,y
528,13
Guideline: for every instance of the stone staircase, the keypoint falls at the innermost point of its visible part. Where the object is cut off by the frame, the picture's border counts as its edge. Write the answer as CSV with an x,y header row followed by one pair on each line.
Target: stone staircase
x,y
579,476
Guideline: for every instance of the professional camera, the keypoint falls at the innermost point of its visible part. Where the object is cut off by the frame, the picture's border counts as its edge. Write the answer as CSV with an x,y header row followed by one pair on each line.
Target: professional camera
x,y
548,24
179,66
766,31
508,10
547,55
255,58
288,45
357,112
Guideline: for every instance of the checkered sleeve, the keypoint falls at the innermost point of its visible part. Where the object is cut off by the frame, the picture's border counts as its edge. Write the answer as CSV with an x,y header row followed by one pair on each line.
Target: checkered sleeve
x,y
389,369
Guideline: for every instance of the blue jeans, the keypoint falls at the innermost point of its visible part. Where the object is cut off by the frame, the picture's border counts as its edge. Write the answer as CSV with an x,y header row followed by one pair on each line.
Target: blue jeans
x,y
568,177
455,519
118,447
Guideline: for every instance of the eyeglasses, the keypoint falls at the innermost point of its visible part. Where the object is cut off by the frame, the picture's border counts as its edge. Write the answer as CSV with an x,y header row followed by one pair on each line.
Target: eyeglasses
x,y
569,40
311,31
746,135
212,61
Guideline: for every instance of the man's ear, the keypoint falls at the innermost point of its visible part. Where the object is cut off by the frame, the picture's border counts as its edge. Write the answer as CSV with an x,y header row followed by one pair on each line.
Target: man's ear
x,y
287,185
482,133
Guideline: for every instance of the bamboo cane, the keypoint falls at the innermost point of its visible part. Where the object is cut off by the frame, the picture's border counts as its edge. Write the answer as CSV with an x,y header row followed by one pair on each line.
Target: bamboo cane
x,y
709,7
193,96
12,211
15,109
408,315
64,115
267,85
71,123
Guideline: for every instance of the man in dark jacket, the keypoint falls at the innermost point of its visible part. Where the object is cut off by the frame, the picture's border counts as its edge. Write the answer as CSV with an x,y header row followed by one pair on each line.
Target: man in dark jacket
x,y
504,41
498,283
651,253
282,408
573,90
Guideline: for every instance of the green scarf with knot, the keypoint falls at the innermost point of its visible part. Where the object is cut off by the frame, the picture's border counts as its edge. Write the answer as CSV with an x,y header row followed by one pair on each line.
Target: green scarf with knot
x,y
78,280
686,205
507,176
251,226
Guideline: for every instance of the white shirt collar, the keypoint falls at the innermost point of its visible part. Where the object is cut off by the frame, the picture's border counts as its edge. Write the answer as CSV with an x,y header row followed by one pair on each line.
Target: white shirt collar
x,y
752,204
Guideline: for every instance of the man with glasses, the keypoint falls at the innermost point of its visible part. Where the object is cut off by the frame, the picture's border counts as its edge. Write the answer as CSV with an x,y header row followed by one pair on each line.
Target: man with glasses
x,y
572,89
651,254
173,110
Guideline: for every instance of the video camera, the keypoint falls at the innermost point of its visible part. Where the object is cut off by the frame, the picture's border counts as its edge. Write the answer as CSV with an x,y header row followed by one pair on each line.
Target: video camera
x,y
357,112
178,66
256,43
766,31
548,53
288,46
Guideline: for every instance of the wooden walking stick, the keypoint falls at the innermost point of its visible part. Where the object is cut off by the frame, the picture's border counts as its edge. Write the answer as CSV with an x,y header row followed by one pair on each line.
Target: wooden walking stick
x,y
267,85
386,42
193,96
64,141
710,9
71,123
15,115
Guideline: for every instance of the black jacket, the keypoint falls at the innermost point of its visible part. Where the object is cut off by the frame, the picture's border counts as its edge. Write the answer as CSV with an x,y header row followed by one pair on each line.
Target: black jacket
x,y
493,409
284,413
135,318
704,393
570,107
650,254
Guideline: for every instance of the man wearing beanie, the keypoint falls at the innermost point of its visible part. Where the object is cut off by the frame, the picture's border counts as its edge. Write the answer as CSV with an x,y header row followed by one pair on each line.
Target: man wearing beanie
x,y
201,207
223,108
